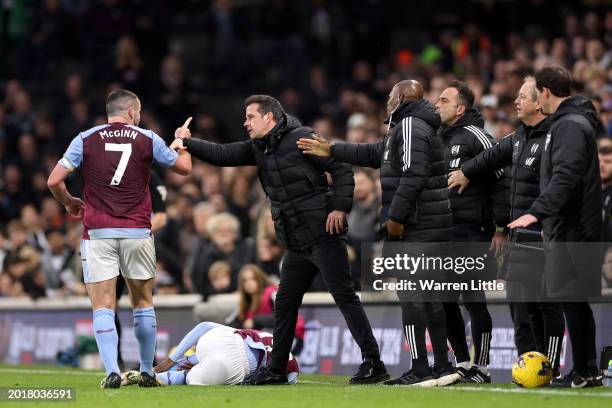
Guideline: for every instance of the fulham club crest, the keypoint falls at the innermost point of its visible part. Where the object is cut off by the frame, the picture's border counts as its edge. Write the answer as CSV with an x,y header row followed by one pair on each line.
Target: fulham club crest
x,y
534,148
455,150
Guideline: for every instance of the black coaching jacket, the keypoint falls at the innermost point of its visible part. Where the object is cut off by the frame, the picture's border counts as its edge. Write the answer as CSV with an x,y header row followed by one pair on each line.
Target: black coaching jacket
x,y
473,214
295,183
412,171
522,150
570,202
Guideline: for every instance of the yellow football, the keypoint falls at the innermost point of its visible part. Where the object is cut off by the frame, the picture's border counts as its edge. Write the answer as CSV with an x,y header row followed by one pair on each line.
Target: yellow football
x,y
532,370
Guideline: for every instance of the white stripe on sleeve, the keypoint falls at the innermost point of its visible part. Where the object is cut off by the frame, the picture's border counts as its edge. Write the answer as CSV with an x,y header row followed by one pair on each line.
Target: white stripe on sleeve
x,y
407,139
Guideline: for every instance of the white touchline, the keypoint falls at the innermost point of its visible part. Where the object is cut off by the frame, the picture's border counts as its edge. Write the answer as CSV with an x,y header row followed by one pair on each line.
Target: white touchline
x,y
543,391
482,389
63,372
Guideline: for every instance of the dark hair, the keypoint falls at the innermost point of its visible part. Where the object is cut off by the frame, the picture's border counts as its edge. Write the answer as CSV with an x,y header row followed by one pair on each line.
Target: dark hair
x,y
119,100
266,104
465,94
557,79
604,150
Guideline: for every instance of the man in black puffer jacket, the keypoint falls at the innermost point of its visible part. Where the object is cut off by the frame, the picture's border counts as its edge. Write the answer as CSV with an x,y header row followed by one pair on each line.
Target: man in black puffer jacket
x,y
538,322
415,209
569,207
463,138
309,219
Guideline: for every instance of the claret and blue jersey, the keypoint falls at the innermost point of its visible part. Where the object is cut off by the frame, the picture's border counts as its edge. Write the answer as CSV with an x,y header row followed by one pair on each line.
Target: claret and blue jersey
x,y
116,162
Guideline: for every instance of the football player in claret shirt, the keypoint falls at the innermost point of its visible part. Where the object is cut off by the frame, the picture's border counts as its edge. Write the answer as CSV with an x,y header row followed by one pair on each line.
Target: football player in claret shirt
x,y
116,163
223,355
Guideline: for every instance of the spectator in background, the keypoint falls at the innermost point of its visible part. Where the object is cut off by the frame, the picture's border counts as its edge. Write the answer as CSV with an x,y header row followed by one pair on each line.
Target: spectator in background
x,y
51,214
256,306
77,118
606,276
129,66
15,192
604,153
239,200
21,119
269,252
363,220
220,277
35,234
56,263
364,217
27,155
257,294
22,261
225,245
4,248
175,97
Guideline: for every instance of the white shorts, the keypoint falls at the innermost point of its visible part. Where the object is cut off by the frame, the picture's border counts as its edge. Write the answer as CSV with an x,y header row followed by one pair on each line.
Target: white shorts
x,y
222,359
103,258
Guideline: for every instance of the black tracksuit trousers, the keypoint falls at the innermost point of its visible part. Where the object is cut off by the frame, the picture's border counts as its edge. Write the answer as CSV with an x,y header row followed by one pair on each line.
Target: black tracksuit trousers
x,y
298,270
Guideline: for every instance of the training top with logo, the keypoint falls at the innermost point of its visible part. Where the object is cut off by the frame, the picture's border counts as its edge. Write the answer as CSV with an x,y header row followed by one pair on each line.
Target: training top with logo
x,y
116,161
472,209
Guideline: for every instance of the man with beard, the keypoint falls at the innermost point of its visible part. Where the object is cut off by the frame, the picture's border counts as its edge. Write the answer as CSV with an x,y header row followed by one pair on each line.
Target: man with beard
x,y
463,138
309,220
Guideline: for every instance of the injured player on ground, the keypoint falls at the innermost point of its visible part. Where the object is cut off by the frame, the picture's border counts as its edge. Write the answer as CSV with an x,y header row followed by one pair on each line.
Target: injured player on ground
x,y
223,356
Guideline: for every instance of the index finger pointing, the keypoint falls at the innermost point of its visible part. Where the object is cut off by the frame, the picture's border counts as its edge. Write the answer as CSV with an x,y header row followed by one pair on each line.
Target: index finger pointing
x,y
187,122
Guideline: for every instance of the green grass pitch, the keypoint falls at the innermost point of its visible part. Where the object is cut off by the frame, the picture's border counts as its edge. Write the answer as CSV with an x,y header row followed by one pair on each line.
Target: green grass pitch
x,y
312,391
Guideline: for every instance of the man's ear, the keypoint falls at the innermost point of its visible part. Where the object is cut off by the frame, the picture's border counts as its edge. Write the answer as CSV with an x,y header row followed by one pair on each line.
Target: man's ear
x,y
131,112
460,110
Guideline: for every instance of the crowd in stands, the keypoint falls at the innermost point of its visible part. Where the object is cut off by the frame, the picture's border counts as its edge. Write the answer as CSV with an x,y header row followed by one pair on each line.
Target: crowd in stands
x,y
331,64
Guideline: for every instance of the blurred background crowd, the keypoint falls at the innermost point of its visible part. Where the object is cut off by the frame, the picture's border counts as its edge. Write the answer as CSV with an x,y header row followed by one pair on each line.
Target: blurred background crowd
x,y
330,63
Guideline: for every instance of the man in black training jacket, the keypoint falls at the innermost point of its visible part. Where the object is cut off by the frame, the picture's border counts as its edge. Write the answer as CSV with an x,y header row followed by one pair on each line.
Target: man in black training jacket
x,y
538,322
310,221
463,137
415,210
569,207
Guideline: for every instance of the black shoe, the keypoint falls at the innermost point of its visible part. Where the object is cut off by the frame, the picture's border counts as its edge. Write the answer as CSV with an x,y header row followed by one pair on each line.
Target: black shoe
x,y
264,376
112,381
571,380
463,372
148,381
596,381
413,379
370,372
475,376
446,376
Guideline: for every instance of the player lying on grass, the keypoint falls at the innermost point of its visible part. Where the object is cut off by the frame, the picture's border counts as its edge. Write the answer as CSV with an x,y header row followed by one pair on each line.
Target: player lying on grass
x,y
223,355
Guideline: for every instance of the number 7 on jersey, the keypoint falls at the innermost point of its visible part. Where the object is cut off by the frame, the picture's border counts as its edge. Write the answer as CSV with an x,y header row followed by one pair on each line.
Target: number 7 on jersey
x,y
126,152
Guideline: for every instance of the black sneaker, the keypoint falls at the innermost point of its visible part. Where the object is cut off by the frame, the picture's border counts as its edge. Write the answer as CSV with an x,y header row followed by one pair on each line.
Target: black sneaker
x,y
147,381
446,376
571,380
112,381
596,381
413,379
475,376
463,372
370,372
264,376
